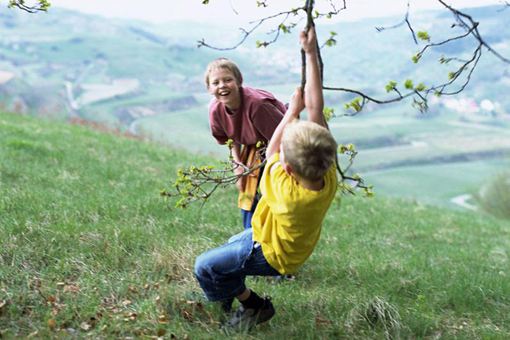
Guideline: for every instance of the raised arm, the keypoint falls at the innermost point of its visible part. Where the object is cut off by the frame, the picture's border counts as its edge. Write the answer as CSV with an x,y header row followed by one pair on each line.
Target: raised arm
x,y
314,100
296,105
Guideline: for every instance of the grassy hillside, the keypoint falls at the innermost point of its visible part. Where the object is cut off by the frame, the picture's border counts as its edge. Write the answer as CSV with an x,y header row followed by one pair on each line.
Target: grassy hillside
x,y
90,249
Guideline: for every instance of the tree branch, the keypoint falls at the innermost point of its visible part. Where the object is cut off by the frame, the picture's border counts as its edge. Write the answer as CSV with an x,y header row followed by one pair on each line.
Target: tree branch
x,y
42,5
256,24
405,21
200,183
421,93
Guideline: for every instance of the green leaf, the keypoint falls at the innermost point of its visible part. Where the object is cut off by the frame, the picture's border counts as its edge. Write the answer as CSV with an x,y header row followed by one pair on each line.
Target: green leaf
x,y
409,84
44,4
330,42
369,192
423,35
260,43
328,113
420,87
416,58
391,86
284,28
356,104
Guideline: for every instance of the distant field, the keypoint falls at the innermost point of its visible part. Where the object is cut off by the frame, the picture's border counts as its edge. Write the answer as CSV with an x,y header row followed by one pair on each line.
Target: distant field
x,y
431,160
436,183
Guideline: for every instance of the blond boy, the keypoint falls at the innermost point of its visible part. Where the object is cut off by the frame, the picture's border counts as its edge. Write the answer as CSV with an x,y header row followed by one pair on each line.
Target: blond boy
x,y
298,185
245,115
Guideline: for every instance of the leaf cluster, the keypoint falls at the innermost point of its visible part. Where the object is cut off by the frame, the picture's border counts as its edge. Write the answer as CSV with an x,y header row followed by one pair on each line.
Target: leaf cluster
x,y
198,183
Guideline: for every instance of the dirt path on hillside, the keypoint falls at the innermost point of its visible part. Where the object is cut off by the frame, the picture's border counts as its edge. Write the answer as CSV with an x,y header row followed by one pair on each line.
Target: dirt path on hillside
x,y
462,201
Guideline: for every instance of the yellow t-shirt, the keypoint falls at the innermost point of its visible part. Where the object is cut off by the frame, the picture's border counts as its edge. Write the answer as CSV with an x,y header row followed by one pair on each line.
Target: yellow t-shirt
x,y
288,218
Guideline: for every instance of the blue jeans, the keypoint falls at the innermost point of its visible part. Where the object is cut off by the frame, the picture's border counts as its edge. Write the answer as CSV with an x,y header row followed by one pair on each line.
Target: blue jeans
x,y
247,215
221,271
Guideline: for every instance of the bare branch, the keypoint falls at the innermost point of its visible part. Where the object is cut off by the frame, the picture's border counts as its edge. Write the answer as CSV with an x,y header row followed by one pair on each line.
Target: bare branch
x,y
42,5
462,20
470,27
334,10
404,21
505,5
233,9
200,183
247,33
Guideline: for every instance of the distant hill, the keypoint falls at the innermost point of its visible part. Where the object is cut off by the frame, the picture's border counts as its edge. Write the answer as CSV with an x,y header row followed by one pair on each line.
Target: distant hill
x,y
74,55
148,79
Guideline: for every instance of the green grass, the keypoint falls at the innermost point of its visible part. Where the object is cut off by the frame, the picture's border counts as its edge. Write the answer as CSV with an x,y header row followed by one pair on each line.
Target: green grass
x,y
188,129
89,249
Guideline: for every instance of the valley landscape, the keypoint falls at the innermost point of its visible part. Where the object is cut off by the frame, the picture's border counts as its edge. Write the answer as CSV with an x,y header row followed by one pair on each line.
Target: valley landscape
x,y
147,79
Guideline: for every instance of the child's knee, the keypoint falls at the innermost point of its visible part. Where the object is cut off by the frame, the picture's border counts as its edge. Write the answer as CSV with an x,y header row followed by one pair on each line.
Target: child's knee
x,y
201,265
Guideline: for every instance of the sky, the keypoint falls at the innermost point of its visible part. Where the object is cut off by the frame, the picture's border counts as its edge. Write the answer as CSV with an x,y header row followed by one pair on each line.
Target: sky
x,y
241,11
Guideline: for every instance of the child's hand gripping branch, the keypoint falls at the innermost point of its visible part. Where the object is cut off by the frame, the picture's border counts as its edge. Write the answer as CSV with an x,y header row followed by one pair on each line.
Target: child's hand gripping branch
x,y
313,98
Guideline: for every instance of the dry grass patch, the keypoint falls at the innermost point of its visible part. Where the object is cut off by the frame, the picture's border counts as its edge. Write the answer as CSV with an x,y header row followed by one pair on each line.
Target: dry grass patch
x,y
373,314
176,263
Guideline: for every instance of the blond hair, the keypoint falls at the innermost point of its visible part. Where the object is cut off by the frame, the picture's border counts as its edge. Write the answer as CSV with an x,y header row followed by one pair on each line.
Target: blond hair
x,y
223,63
309,149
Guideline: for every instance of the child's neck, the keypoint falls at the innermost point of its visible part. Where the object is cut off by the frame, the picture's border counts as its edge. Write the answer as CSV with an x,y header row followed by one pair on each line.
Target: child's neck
x,y
315,185
234,106
232,109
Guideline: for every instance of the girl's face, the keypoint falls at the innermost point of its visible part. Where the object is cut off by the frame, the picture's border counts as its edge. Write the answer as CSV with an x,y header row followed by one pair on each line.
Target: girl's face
x,y
224,87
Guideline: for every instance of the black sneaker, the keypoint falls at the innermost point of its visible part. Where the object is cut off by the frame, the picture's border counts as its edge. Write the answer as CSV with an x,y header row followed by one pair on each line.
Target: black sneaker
x,y
245,318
